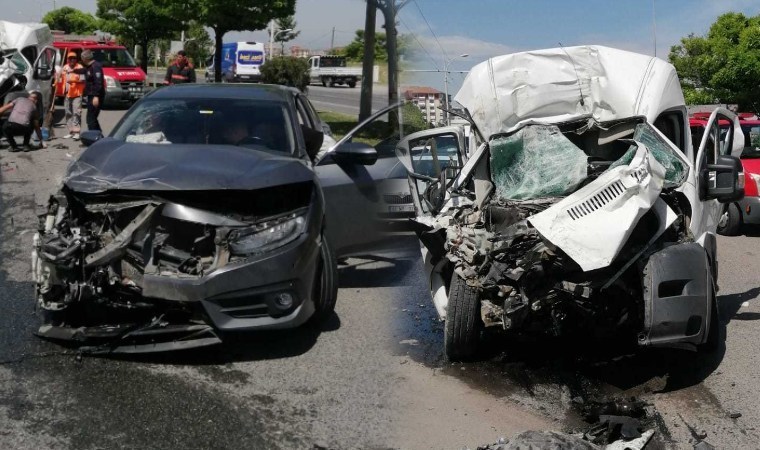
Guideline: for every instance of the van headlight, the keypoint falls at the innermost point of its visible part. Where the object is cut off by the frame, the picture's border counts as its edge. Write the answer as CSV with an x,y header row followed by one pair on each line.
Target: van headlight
x,y
268,235
111,82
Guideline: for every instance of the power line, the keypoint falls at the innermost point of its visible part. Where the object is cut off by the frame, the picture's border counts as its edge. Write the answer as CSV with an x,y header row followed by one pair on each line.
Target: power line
x,y
418,42
431,29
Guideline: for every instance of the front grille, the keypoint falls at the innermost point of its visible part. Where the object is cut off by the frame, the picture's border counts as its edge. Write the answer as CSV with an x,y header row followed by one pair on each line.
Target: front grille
x,y
397,199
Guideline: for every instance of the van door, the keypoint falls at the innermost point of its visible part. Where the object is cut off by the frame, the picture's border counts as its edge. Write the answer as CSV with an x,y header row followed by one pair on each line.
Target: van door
x,y
42,76
715,142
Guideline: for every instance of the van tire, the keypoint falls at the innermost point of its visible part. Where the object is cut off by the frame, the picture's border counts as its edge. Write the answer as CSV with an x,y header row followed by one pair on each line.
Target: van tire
x,y
733,223
461,334
714,328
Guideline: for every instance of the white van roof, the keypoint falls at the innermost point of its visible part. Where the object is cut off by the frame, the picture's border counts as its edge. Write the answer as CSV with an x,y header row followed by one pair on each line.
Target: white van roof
x,y
20,35
565,84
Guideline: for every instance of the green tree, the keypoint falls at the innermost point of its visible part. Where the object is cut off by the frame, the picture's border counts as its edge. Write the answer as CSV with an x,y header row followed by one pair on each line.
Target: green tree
x,y
71,20
286,70
198,43
141,21
355,49
724,65
237,15
286,23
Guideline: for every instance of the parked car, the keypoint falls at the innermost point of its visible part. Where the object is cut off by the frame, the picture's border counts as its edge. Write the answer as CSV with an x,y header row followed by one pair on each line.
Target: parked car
x,y
207,209
747,210
332,70
124,80
585,210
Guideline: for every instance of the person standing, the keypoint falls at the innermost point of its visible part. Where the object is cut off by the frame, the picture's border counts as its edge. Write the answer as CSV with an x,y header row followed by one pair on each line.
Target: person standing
x,y
73,89
94,89
24,119
180,71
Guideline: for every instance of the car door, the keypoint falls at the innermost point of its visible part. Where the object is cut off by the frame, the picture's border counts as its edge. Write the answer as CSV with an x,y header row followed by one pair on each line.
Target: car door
x,y
714,142
353,193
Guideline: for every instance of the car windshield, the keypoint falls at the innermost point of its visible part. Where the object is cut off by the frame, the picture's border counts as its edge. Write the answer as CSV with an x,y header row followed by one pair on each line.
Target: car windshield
x,y
263,125
751,142
17,61
113,57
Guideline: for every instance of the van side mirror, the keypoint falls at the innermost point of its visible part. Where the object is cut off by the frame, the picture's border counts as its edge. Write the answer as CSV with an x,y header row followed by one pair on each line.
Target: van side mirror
x,y
724,180
43,73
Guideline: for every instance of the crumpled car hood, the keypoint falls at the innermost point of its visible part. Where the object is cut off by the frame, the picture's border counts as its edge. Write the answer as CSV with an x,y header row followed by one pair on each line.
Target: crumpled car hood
x,y
566,84
115,165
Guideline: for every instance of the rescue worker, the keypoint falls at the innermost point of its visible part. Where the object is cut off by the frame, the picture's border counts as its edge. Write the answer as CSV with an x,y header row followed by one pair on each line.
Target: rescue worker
x,y
95,88
180,71
24,119
73,90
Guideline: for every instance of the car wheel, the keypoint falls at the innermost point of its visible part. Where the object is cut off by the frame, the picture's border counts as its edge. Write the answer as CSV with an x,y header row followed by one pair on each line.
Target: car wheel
x,y
325,292
463,322
731,221
352,84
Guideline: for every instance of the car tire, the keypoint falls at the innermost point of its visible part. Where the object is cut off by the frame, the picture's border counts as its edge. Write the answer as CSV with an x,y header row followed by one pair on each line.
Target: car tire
x,y
325,291
733,223
463,322
352,84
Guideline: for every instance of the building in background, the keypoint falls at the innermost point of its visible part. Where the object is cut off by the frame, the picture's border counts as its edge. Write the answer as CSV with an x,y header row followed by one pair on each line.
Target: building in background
x,y
429,101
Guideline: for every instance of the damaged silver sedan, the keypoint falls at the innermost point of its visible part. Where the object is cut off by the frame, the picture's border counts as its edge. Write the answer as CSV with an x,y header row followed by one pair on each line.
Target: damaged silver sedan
x,y
581,209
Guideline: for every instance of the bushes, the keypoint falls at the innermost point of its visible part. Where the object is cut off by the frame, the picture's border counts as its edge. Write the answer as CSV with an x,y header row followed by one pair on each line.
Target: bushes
x,y
286,70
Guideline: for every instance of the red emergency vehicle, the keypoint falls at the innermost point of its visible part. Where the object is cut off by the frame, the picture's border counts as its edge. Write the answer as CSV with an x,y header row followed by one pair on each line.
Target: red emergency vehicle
x,y
747,210
124,79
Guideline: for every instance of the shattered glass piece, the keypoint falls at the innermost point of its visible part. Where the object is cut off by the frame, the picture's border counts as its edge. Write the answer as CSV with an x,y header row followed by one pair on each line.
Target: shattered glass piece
x,y
675,169
536,161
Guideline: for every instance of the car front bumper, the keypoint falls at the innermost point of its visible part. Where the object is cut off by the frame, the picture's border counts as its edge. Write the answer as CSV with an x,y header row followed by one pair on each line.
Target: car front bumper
x,y
125,93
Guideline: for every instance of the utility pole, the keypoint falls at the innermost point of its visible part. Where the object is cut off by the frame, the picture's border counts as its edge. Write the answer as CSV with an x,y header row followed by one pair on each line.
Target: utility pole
x,y
446,83
332,41
368,72
271,37
654,27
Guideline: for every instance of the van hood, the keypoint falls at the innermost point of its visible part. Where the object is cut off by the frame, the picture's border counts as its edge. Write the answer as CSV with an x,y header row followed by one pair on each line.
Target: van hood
x,y
113,164
558,85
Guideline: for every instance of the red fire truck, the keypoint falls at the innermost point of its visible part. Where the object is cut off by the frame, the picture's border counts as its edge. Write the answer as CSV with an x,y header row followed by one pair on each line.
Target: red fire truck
x,y
125,81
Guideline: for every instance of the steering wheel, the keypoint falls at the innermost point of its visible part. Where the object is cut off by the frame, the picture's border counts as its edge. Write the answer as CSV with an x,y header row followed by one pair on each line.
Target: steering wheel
x,y
252,140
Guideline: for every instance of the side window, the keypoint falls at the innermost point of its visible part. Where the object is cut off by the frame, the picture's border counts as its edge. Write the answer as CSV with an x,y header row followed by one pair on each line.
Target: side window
x,y
47,59
671,125
446,150
30,53
303,116
711,150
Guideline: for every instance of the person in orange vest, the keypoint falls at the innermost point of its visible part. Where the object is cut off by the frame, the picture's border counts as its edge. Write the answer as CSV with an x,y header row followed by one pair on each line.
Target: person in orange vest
x,y
181,71
73,85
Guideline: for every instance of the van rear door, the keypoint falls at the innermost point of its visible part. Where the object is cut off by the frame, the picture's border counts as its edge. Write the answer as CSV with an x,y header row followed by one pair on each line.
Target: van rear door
x,y
250,57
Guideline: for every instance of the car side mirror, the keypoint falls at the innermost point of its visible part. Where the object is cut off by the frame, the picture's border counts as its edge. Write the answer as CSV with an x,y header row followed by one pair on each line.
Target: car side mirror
x,y
89,137
724,180
313,140
355,153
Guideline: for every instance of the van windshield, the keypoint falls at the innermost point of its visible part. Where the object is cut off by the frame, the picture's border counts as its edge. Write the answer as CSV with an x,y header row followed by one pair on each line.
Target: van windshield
x,y
113,57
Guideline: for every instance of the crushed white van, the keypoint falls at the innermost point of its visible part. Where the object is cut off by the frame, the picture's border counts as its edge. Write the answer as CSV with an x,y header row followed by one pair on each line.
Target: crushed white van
x,y
27,59
583,211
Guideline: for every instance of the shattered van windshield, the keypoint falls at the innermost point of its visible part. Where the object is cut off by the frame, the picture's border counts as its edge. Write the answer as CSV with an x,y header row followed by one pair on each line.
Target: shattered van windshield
x,y
536,161
675,169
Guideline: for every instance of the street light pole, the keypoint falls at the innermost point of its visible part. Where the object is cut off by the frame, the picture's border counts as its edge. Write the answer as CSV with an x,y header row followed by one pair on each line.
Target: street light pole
x,y
446,83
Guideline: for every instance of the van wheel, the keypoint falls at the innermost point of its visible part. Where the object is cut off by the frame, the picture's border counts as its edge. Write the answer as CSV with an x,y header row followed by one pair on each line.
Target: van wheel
x,y
325,292
463,322
352,84
714,334
731,221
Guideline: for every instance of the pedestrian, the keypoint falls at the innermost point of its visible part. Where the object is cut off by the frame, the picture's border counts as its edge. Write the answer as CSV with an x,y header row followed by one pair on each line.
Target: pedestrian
x,y
94,89
24,119
73,90
180,71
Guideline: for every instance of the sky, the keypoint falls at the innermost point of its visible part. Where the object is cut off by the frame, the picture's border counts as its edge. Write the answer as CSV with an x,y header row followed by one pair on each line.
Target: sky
x,y
482,28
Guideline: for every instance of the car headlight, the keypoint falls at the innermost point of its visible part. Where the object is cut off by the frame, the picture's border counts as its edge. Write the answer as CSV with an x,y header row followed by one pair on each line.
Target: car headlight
x,y
111,82
267,235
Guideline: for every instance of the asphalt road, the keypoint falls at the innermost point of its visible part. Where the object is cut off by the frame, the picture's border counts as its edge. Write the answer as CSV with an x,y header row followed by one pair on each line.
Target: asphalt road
x,y
374,377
